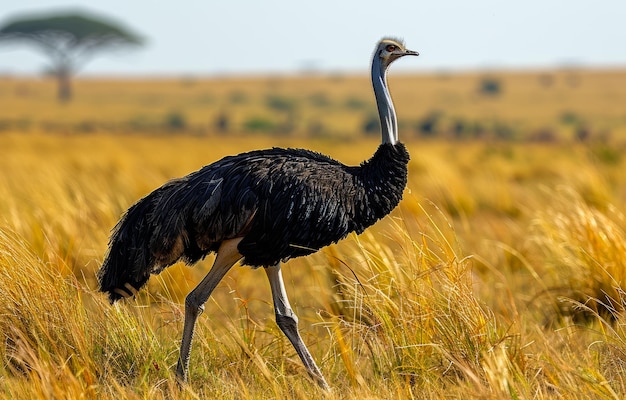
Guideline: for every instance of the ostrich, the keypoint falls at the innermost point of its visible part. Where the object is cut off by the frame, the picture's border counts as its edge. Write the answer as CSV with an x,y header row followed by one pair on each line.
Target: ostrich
x,y
262,208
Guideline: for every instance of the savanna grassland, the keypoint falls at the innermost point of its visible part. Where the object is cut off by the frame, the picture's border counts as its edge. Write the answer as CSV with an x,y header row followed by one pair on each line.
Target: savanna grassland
x,y
500,275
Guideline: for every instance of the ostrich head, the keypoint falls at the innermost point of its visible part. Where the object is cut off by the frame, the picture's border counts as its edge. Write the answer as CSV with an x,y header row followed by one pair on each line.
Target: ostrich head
x,y
389,49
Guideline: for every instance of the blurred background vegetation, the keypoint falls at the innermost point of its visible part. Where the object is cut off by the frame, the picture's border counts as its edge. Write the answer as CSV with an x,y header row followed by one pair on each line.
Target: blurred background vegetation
x,y
573,105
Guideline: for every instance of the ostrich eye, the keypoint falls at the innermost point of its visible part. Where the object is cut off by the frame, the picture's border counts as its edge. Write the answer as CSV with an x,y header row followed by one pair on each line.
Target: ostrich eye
x,y
391,48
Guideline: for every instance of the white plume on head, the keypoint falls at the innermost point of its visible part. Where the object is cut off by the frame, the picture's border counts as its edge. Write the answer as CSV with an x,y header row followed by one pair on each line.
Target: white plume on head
x,y
389,40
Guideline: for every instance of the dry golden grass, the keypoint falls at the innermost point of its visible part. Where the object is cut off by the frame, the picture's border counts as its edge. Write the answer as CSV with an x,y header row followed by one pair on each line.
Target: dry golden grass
x,y
500,275
449,295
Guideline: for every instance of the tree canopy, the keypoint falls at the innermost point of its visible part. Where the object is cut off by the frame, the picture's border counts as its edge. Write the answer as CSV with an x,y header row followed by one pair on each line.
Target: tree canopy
x,y
68,40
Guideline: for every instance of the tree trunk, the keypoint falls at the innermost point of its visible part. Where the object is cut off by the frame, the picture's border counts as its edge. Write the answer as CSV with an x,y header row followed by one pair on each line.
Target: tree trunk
x,y
65,88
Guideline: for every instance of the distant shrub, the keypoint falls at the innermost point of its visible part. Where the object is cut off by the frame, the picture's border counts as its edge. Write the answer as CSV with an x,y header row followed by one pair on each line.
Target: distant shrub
x,y
354,103
504,131
430,125
582,134
140,123
461,129
222,123
175,121
490,86
570,118
371,125
316,128
319,100
259,124
86,126
478,129
544,135
279,103
15,124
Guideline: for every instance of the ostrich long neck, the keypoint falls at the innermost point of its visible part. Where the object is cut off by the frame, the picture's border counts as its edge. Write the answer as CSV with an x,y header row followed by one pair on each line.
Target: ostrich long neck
x,y
386,112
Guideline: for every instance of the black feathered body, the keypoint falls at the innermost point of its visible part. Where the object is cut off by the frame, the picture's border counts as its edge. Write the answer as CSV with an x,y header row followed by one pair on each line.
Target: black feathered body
x,y
284,203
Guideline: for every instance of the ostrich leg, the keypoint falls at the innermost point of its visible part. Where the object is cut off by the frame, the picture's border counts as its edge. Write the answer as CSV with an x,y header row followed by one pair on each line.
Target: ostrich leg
x,y
288,323
227,256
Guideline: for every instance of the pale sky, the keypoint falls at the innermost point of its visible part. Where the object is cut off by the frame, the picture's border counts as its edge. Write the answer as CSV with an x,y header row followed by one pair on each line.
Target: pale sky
x,y
205,37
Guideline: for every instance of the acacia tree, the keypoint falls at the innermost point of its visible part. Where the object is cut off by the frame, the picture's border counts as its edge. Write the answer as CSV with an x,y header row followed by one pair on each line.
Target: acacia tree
x,y
69,40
